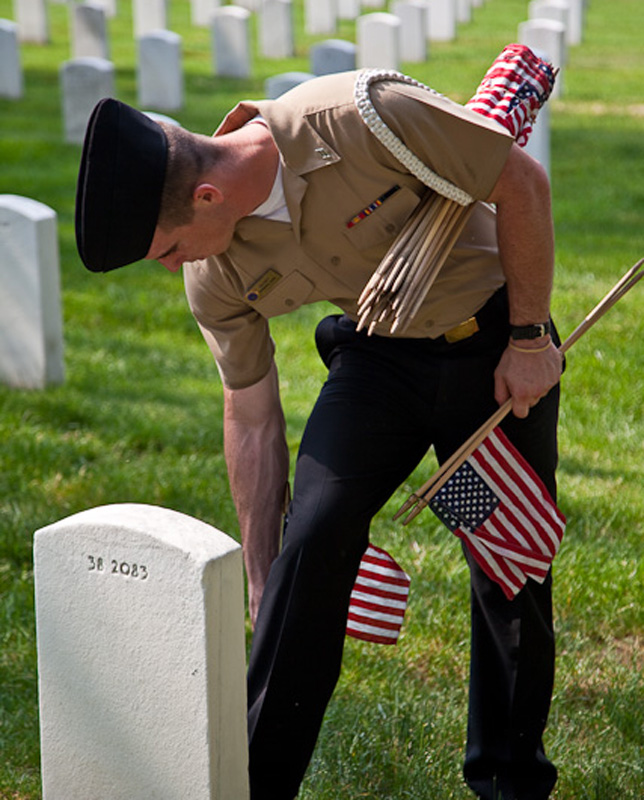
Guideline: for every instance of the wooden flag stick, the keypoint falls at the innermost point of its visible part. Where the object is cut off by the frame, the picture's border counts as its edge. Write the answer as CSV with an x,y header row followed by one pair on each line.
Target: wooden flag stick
x,y
399,243
432,262
421,498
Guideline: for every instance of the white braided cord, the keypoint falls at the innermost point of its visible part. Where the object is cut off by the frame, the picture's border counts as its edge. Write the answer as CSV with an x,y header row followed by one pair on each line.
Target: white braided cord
x,y
388,138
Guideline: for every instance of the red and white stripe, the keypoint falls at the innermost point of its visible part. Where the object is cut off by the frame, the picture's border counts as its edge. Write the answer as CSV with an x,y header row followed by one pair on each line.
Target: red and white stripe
x,y
498,97
379,598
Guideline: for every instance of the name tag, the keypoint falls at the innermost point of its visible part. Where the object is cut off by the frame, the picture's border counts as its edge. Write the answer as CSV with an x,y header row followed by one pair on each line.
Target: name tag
x,y
263,285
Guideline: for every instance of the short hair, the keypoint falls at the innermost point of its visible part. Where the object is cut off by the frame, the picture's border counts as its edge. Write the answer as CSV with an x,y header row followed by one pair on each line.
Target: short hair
x,y
187,161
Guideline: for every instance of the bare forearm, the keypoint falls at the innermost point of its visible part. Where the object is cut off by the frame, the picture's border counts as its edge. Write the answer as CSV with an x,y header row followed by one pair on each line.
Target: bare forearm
x,y
257,461
526,249
526,240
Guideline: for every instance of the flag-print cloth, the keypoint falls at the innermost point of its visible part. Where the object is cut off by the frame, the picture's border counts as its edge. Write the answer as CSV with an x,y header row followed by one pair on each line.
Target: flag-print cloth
x,y
500,508
513,90
378,599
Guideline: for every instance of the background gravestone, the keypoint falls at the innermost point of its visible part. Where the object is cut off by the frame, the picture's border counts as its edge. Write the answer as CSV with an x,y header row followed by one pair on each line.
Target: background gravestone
x,y
160,81
89,31
11,75
84,81
140,633
31,327
231,42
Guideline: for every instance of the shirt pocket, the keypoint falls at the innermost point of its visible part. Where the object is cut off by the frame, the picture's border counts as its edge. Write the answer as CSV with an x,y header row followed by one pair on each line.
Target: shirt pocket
x,y
286,295
384,223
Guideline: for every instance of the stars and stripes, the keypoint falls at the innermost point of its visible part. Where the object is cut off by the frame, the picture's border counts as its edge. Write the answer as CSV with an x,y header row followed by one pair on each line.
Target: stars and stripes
x,y
500,508
378,599
513,90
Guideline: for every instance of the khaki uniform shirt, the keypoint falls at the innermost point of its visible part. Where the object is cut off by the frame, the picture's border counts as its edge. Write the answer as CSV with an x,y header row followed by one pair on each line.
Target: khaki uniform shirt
x,y
333,168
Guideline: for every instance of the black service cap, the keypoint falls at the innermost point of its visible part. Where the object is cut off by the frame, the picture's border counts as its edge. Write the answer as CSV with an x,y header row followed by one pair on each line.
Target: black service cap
x,y
120,181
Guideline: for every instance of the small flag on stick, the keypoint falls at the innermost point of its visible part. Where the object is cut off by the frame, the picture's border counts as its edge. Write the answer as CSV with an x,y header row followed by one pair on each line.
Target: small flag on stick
x,y
378,599
505,548
496,503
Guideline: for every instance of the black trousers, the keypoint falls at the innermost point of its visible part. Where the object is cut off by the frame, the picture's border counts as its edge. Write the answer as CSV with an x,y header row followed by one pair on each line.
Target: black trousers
x,y
386,401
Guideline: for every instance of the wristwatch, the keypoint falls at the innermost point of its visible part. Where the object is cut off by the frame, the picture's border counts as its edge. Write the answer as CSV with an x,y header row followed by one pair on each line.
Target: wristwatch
x,y
530,331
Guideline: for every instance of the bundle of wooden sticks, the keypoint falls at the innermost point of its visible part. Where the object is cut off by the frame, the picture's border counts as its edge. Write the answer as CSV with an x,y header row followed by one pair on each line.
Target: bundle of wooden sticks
x,y
512,92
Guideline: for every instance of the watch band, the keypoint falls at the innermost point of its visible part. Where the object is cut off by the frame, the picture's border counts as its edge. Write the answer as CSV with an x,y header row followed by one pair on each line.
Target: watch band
x,y
535,331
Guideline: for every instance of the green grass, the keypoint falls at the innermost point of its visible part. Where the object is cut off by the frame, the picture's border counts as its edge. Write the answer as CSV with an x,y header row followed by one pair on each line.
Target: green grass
x,y
138,419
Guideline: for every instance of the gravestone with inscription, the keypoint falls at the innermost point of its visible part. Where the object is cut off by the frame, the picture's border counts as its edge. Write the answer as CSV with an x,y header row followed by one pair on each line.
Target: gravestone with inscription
x,y
140,633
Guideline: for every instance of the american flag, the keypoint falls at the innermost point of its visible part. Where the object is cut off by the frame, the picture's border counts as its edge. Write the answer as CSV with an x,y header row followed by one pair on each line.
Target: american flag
x,y
513,90
378,599
501,509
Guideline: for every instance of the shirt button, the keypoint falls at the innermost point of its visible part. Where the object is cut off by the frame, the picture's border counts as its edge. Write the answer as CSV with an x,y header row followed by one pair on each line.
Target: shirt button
x,y
335,260
289,302
390,228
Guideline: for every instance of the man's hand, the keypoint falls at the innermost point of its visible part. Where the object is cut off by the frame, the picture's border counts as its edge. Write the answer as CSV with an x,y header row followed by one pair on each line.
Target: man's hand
x,y
526,373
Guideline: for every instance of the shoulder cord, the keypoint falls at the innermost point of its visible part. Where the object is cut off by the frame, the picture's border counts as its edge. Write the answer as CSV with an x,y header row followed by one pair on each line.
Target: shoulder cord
x,y
388,138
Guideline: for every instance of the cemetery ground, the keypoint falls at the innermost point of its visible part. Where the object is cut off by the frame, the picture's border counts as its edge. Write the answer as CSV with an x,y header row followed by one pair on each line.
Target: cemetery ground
x,y
138,419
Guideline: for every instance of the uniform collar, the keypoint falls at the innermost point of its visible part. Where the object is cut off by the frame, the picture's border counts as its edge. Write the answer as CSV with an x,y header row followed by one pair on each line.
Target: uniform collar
x,y
301,147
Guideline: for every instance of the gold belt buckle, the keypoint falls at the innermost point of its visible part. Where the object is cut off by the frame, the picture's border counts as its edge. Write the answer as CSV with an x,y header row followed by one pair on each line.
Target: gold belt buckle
x,y
462,331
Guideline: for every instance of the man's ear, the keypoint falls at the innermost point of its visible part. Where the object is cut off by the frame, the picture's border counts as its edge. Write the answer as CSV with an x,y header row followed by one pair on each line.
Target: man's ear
x,y
207,193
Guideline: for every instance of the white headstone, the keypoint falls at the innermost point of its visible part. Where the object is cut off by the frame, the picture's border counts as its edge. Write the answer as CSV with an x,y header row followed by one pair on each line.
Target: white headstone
x,y
109,6
201,11
276,85
577,21
89,31
160,71
84,82
31,327
549,37
463,11
378,40
333,55
32,17
538,145
413,16
276,37
231,42
320,16
11,75
250,5
140,634
374,3
442,20
558,10
348,9
149,15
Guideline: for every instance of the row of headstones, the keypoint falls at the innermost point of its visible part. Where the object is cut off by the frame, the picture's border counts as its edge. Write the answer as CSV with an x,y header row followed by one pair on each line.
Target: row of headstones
x,y
382,39
320,16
